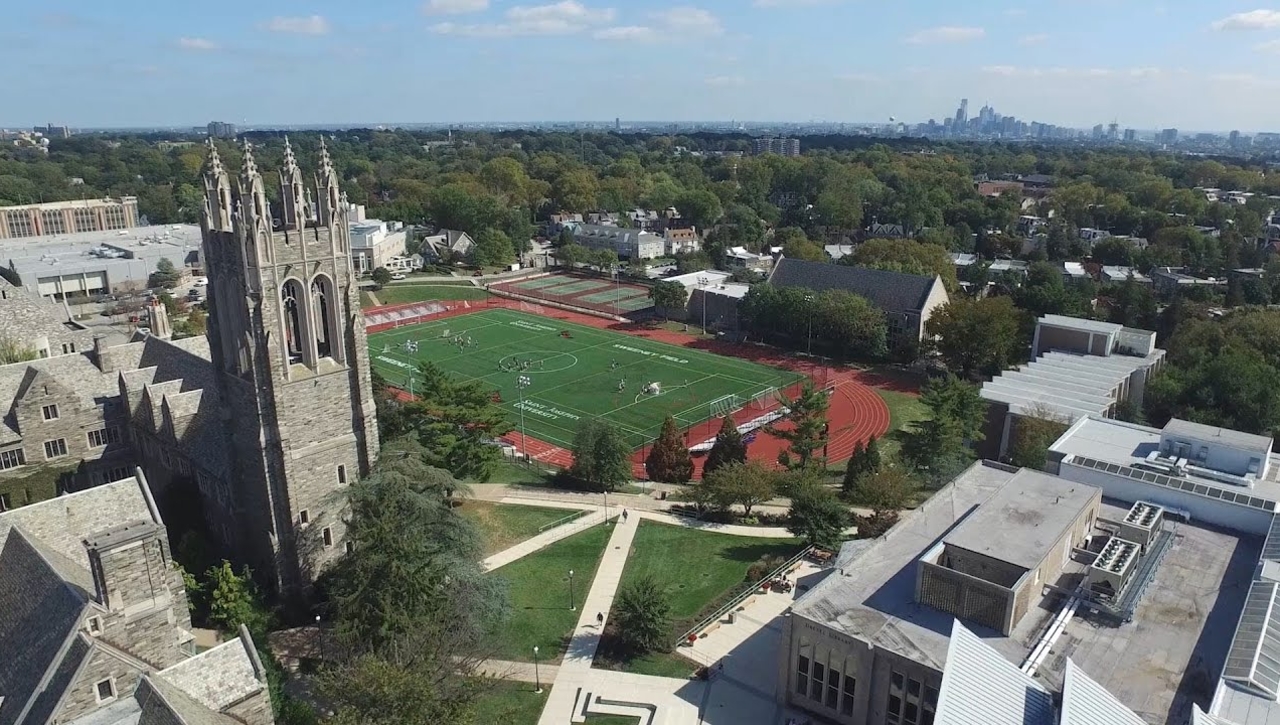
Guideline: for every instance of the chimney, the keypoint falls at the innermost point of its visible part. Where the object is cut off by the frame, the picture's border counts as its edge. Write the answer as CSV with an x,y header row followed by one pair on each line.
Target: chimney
x,y
99,347
158,315
130,567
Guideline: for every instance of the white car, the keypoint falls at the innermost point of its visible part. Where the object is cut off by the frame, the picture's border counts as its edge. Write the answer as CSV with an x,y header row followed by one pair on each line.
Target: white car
x,y
398,275
201,282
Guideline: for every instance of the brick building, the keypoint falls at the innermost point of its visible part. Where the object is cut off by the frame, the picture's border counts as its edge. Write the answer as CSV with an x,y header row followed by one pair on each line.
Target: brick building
x,y
266,419
94,624
68,217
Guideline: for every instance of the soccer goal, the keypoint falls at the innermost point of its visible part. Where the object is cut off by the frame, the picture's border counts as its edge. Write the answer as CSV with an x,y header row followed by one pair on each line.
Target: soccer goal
x,y
720,407
531,307
765,399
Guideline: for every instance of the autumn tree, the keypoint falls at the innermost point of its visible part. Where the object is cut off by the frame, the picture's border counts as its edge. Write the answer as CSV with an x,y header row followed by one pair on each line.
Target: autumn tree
x,y
669,460
728,447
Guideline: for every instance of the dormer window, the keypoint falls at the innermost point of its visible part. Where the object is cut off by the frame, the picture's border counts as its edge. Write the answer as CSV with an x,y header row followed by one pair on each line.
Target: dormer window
x,y
95,626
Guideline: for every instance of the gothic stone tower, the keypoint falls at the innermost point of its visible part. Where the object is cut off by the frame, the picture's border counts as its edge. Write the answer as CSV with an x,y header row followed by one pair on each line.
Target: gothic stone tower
x,y
291,361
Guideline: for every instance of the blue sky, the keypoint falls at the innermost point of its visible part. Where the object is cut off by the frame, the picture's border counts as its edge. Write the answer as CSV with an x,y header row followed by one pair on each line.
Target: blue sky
x,y
1192,64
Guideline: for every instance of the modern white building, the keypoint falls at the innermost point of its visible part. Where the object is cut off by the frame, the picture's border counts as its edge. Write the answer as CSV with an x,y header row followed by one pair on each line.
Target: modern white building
x,y
374,241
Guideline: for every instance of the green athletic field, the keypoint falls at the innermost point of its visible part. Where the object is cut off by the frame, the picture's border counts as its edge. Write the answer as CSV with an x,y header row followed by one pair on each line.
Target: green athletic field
x,y
573,379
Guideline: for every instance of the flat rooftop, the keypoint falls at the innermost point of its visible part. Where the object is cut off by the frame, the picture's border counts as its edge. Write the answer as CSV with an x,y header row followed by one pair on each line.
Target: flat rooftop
x,y
1121,443
1227,437
1168,657
1024,519
1077,323
183,235
1066,384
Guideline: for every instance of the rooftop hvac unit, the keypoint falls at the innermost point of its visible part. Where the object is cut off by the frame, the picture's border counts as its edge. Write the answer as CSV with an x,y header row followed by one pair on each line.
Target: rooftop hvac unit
x,y
1143,523
1113,568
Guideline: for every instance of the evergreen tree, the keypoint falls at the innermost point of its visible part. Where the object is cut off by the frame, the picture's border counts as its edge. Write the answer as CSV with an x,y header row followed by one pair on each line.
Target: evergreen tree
x,y
233,601
642,615
669,460
807,434
600,456
727,449
855,468
817,516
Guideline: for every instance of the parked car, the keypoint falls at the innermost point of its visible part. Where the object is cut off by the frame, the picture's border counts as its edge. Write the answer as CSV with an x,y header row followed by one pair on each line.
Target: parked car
x,y
398,275
201,281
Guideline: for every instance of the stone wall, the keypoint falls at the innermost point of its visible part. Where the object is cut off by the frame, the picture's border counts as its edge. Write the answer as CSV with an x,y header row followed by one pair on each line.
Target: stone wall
x,y
81,697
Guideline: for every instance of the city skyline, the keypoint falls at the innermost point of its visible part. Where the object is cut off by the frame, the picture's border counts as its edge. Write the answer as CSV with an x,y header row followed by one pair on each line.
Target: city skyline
x,y
454,61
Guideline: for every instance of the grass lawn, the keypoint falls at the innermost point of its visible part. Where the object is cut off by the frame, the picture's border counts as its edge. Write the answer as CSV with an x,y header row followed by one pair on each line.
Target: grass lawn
x,y
515,473
576,378
505,525
697,567
399,294
662,664
540,595
511,703
904,411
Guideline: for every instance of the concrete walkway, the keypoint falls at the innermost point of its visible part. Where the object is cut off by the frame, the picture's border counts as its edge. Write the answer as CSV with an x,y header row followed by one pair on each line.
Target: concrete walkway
x,y
373,298
544,674
594,516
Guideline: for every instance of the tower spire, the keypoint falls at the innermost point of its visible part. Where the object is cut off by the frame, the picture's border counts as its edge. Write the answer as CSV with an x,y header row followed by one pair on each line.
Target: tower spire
x,y
249,169
296,209
328,188
213,163
217,192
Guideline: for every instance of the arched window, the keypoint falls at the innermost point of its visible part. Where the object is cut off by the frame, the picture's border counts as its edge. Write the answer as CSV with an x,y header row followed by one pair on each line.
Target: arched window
x,y
292,320
323,301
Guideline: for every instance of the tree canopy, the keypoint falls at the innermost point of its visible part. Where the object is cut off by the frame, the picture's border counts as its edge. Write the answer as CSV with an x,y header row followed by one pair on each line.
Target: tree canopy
x,y
601,457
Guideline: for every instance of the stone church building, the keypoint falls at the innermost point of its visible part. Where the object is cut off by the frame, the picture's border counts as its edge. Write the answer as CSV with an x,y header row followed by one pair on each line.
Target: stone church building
x,y
266,419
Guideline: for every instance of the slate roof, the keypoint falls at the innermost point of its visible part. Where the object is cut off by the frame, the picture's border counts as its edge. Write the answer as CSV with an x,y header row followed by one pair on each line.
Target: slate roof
x,y
29,317
39,614
166,704
220,677
981,686
61,524
890,291
76,372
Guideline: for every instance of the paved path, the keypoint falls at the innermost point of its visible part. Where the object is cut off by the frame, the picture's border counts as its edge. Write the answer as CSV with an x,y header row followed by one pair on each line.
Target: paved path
x,y
546,538
519,671
373,298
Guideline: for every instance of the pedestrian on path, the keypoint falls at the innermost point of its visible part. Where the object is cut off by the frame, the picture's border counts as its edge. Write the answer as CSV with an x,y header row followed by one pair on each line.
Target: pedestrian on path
x,y
599,619
624,516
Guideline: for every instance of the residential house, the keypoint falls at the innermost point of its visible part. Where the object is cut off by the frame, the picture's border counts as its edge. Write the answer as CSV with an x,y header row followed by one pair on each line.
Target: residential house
x,y
1168,280
837,252
1029,225
1118,275
447,245
681,241
999,188
1074,272
626,243
908,300
888,231
1013,266
740,258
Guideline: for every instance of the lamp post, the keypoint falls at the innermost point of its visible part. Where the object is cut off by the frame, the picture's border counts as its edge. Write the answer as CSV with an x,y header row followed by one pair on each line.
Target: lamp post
x,y
523,382
703,283
320,637
573,607
809,303
537,678
606,507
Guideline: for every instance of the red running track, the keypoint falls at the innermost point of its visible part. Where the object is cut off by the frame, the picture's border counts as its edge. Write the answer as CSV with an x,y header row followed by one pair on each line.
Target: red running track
x,y
856,412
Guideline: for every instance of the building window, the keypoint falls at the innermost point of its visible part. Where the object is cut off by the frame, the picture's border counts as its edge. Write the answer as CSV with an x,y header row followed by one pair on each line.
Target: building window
x,y
815,686
349,547
95,626
68,348
103,437
50,412
802,676
342,474
833,688
105,690
850,690
304,516
12,458
5,505
327,534
55,449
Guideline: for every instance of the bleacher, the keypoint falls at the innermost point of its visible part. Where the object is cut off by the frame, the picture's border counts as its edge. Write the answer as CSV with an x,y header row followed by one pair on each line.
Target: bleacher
x,y
403,315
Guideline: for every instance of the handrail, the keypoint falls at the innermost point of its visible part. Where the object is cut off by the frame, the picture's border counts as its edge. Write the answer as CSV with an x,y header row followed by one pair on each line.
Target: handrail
x,y
746,594
562,521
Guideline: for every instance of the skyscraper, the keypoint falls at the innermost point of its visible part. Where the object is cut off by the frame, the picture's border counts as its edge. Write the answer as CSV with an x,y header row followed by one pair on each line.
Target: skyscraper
x,y
962,115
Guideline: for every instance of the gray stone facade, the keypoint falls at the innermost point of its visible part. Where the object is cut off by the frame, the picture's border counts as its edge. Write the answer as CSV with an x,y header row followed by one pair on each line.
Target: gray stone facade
x,y
268,418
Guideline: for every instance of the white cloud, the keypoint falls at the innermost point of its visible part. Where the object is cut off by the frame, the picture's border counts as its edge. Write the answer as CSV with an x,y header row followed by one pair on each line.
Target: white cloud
x,y
1033,39
674,24
454,7
197,44
689,21
791,3
725,81
1012,71
1253,20
945,34
562,18
626,32
1271,46
309,25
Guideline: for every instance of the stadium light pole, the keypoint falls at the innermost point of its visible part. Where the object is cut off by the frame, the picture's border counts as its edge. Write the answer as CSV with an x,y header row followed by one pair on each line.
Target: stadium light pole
x,y
703,283
523,382
808,299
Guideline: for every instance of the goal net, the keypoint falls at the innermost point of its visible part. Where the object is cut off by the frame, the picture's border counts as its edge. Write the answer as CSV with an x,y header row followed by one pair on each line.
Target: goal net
x,y
720,407
531,307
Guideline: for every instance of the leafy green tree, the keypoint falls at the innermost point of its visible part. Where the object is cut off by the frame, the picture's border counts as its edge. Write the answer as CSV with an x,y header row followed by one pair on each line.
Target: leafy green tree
x,y
668,295
804,427
642,616
889,489
727,449
600,456
939,447
166,275
669,460
493,249
381,276
699,206
575,191
745,484
1032,435
234,600
414,614
454,420
571,255
817,516
905,255
978,335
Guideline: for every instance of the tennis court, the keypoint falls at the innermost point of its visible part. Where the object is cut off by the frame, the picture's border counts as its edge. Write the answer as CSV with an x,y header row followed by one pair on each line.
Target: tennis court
x,y
575,373
599,294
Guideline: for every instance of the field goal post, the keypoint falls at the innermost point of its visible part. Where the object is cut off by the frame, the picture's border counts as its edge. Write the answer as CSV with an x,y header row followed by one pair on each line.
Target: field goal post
x,y
766,398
